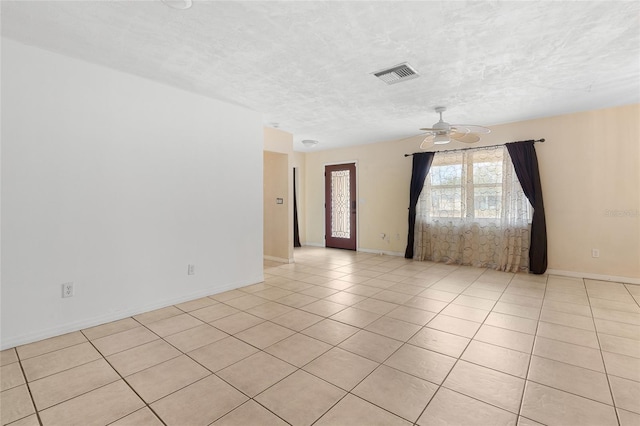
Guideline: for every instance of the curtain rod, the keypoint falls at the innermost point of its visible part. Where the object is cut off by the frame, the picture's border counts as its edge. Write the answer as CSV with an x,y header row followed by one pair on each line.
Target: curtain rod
x,y
480,147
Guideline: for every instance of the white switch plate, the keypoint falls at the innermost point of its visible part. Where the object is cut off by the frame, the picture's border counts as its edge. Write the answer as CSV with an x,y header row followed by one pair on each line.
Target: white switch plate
x,y
191,269
595,253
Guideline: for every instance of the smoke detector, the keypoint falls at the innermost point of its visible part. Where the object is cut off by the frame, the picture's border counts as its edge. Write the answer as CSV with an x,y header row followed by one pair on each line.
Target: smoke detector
x,y
397,74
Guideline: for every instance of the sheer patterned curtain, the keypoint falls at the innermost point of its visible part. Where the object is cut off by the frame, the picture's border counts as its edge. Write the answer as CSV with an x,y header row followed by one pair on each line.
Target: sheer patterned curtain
x,y
472,211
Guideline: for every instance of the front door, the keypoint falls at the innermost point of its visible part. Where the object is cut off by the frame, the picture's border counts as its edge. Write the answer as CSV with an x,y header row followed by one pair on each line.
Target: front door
x,y
340,206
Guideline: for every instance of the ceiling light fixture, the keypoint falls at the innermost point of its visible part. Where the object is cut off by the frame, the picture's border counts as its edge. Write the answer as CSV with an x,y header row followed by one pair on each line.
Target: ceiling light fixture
x,y
441,140
309,143
178,4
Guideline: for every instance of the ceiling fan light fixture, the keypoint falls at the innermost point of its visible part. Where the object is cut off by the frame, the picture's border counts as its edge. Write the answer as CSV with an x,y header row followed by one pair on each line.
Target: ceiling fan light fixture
x,y
309,143
441,140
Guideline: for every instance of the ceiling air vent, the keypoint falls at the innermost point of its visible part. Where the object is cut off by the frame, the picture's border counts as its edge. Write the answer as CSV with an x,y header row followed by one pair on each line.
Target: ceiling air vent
x,y
397,74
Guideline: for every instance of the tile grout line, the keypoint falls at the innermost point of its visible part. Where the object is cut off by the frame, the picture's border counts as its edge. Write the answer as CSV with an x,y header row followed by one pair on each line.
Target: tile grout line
x,y
26,382
390,355
123,379
604,365
441,385
533,345
349,392
300,291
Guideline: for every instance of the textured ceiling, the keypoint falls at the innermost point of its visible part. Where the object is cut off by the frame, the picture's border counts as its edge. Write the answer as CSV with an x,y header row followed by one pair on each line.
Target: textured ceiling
x,y
307,65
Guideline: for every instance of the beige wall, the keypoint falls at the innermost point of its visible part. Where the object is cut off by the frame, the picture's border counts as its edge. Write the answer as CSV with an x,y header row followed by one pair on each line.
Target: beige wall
x,y
590,172
278,183
276,219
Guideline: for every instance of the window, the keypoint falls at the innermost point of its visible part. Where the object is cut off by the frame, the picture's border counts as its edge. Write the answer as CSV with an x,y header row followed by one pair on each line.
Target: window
x,y
472,211
467,184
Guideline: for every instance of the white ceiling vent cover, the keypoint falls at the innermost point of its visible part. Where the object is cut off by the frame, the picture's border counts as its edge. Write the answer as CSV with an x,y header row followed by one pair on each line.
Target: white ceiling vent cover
x,y
397,74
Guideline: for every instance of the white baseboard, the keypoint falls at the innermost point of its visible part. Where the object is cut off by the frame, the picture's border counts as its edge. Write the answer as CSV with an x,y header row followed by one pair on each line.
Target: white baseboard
x,y
363,250
313,244
278,259
390,253
114,316
626,280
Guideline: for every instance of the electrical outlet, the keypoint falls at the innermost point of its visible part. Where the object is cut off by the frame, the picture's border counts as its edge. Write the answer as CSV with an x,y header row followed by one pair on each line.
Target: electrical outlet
x,y
191,269
67,290
595,253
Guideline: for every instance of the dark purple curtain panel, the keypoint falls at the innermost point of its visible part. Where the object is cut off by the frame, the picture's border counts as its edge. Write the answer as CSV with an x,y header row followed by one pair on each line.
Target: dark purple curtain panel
x,y
421,165
525,162
296,232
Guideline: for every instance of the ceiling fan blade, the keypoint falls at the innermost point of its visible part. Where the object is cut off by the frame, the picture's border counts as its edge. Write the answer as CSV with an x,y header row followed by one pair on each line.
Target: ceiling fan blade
x,y
465,137
411,137
470,128
430,130
427,142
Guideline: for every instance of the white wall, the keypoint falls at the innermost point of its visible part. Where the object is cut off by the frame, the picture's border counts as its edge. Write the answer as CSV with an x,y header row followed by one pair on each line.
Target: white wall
x,y
116,183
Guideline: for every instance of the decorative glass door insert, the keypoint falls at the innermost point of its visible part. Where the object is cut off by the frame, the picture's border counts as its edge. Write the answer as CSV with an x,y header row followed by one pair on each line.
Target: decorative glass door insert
x,y
340,206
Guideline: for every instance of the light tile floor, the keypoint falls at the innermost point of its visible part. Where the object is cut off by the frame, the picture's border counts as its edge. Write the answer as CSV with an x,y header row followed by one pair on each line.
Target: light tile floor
x,y
344,338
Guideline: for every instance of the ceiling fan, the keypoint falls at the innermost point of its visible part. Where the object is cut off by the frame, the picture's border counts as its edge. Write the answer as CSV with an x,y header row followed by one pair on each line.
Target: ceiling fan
x,y
442,132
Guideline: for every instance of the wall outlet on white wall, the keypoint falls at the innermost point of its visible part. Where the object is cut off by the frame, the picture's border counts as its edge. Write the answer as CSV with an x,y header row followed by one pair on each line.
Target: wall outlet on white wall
x,y
595,253
191,269
67,290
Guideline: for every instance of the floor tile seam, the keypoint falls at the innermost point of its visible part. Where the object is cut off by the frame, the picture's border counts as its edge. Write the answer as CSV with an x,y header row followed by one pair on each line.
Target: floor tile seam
x,y
132,347
623,377
502,327
308,362
520,304
413,422
60,371
350,392
339,343
26,383
514,315
564,341
331,407
19,384
473,307
604,364
411,374
545,308
533,345
296,369
393,338
119,377
186,329
65,370
480,400
51,351
129,385
616,300
612,404
636,311
365,400
257,402
616,322
82,394
459,357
